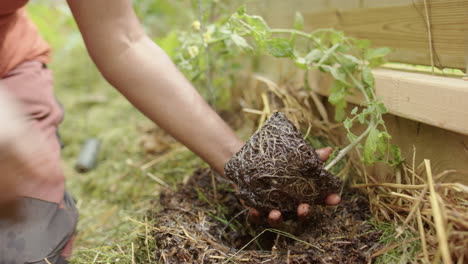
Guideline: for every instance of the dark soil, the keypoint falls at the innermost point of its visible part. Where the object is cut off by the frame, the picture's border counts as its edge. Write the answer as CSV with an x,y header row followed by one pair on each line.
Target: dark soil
x,y
198,225
278,169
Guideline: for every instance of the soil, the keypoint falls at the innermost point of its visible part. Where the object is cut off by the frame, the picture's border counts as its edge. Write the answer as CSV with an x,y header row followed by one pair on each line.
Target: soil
x,y
202,224
278,169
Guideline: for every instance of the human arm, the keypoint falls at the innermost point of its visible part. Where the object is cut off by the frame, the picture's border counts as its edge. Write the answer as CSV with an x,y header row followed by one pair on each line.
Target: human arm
x,y
146,76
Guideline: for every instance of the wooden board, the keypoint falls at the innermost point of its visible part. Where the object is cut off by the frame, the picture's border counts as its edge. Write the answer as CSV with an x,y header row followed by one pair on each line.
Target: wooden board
x,y
400,25
434,100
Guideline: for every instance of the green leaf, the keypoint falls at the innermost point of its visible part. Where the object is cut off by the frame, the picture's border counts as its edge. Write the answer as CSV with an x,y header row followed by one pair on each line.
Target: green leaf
x,y
314,56
362,43
279,47
367,76
349,61
240,42
258,24
348,123
354,111
337,93
298,21
337,98
337,37
362,118
395,152
340,113
371,146
242,10
381,108
383,144
377,53
336,72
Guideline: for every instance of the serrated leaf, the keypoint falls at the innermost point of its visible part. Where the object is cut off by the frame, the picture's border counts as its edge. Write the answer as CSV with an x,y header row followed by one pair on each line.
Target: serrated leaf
x,y
367,76
370,147
298,21
279,47
240,42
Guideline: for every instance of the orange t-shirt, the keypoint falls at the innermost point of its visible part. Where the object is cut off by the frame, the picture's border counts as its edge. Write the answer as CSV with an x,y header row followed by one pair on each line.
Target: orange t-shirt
x,y
19,37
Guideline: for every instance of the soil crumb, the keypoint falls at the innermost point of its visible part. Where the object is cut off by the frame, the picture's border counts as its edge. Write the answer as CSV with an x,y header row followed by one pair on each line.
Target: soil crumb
x,y
200,223
278,169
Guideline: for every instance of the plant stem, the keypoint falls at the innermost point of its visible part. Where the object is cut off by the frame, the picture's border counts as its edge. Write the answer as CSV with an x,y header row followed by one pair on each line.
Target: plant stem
x,y
206,51
348,148
291,31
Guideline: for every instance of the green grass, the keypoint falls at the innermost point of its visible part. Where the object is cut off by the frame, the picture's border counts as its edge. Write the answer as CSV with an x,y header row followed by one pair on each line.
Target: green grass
x,y
402,254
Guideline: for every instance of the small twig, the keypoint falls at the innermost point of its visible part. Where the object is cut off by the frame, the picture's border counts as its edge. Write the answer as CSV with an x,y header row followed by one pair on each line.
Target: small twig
x,y
158,180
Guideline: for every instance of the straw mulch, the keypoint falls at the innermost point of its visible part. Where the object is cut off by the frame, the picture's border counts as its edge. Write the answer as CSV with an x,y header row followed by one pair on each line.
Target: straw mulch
x,y
434,210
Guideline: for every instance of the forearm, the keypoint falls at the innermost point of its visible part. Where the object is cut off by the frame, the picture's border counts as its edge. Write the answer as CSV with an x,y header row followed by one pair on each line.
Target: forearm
x,y
144,74
147,77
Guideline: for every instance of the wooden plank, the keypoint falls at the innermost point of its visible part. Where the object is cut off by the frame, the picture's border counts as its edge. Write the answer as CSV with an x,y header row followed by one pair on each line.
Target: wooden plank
x,y
434,100
400,25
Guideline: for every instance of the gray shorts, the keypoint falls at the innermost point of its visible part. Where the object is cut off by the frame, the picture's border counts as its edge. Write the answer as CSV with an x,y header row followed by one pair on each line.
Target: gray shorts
x,y
39,233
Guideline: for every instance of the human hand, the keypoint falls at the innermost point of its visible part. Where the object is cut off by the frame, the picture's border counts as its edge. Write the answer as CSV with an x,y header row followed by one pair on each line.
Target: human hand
x,y
303,210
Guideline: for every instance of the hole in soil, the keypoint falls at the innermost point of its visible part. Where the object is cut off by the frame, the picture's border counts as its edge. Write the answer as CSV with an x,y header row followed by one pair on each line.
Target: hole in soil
x,y
195,225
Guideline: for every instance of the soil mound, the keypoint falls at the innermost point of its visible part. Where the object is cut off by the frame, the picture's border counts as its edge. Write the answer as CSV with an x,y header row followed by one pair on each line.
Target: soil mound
x,y
202,224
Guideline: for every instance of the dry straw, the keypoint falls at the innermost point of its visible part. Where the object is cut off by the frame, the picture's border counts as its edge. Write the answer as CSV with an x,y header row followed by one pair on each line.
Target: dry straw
x,y
416,200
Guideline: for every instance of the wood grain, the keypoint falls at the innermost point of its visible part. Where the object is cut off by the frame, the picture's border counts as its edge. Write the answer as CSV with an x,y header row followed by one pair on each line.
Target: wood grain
x,y
397,24
434,100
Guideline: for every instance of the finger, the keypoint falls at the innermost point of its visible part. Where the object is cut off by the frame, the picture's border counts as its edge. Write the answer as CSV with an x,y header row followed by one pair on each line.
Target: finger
x,y
304,211
333,199
324,153
254,216
275,218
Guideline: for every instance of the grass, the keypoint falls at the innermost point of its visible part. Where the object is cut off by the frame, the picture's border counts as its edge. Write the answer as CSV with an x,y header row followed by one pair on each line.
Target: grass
x,y
402,254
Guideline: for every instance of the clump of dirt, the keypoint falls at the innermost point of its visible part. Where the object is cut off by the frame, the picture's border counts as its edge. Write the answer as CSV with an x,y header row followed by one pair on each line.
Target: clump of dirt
x,y
202,224
278,169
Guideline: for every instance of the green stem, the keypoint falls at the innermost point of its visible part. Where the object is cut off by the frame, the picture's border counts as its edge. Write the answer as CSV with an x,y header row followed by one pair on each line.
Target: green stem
x,y
348,148
291,31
